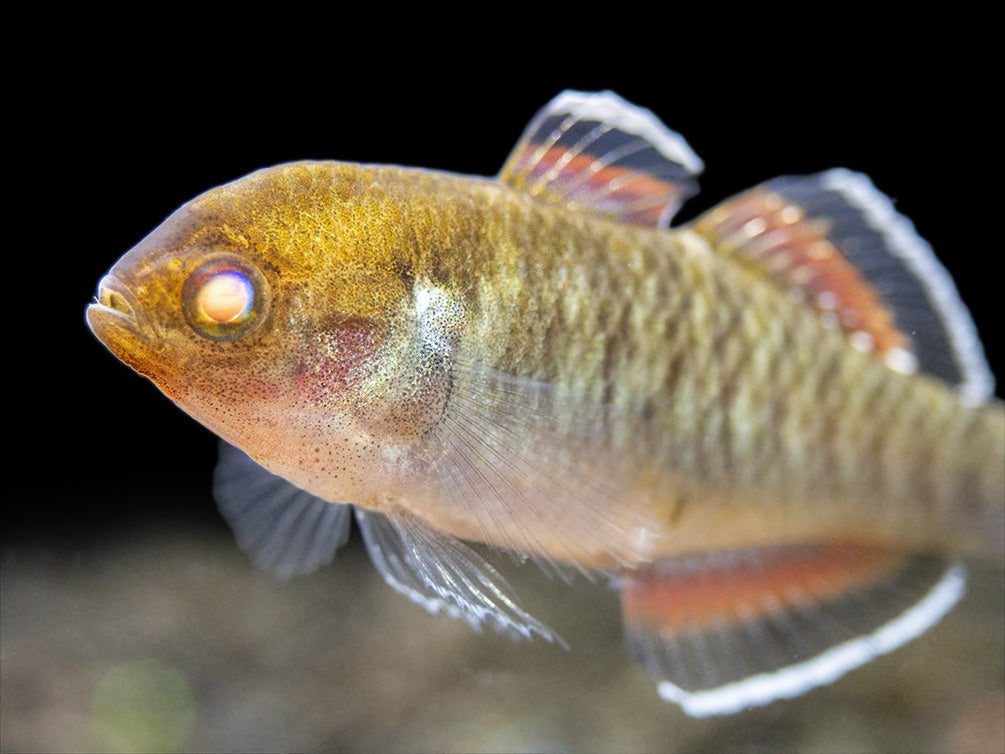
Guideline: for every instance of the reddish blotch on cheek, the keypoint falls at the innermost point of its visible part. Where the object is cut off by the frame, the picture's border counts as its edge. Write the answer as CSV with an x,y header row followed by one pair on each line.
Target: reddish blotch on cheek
x,y
334,361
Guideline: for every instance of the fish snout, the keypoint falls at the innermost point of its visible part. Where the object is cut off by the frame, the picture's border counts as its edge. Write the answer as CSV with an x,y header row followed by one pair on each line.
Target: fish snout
x,y
112,295
115,308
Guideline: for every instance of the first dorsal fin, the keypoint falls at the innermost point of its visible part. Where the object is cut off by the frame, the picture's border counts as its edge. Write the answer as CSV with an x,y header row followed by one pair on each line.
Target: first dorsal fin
x,y
601,153
724,632
837,243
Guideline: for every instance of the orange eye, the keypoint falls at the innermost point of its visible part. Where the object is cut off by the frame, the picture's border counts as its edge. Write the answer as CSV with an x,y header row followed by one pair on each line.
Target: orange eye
x,y
224,298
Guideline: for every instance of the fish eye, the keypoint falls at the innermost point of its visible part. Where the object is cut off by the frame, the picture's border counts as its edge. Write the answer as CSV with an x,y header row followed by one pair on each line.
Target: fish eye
x,y
224,298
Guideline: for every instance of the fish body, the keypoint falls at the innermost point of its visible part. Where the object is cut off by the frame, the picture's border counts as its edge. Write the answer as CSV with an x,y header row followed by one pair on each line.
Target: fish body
x,y
720,416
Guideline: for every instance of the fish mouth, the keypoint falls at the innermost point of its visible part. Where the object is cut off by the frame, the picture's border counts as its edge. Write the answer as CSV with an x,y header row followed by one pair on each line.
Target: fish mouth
x,y
114,313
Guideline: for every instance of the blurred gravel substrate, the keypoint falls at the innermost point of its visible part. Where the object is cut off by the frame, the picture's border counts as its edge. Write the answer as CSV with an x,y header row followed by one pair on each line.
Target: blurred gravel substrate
x,y
337,661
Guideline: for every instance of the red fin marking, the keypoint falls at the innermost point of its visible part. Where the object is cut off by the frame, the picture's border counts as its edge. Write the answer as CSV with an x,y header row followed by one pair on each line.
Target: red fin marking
x,y
580,179
741,586
767,233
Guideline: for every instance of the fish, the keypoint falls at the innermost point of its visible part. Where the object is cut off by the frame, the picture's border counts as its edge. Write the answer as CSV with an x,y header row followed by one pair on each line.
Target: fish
x,y
771,428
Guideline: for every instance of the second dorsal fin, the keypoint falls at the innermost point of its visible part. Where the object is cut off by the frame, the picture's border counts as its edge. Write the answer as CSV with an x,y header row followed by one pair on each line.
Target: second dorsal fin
x,y
836,242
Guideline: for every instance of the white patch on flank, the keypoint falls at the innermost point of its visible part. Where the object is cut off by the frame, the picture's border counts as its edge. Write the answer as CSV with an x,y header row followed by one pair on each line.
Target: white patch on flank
x,y
827,667
437,314
917,255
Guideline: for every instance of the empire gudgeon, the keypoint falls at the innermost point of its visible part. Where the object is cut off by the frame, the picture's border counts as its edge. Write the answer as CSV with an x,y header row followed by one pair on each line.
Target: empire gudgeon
x,y
772,426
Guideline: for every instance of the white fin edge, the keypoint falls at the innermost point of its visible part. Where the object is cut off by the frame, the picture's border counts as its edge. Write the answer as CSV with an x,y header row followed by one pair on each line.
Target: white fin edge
x,y
918,256
827,667
608,107
445,576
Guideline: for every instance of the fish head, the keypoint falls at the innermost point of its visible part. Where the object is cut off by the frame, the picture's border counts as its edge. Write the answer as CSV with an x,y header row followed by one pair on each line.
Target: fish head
x,y
277,312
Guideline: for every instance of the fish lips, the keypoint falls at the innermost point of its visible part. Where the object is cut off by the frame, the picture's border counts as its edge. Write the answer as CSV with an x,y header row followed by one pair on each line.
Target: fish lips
x,y
120,324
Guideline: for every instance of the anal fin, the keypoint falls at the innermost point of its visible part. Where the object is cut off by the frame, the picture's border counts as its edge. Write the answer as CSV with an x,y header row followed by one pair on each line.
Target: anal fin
x,y
724,632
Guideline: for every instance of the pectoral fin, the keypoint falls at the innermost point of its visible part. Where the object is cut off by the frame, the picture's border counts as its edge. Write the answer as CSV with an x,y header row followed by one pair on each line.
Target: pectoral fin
x,y
723,632
525,462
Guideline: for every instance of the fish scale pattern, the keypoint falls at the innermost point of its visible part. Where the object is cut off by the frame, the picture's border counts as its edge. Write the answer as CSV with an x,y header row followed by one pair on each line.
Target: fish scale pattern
x,y
740,384
670,365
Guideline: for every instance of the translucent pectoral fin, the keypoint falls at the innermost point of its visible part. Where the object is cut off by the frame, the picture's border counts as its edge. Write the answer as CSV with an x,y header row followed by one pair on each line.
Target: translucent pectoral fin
x,y
284,529
527,463
724,632
443,574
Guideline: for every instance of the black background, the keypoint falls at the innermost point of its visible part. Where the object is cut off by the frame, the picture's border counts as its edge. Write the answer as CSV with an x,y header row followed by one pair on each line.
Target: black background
x,y
110,144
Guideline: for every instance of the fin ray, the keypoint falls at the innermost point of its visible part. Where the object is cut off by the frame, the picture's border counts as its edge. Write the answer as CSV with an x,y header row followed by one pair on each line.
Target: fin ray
x,y
444,575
